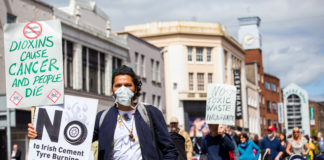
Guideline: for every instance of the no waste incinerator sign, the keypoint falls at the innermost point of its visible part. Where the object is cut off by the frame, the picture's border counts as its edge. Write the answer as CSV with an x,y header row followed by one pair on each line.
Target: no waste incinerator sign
x,y
33,59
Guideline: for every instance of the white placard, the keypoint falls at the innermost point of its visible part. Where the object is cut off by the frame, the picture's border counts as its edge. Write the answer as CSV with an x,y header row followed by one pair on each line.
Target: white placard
x,y
34,65
64,132
220,106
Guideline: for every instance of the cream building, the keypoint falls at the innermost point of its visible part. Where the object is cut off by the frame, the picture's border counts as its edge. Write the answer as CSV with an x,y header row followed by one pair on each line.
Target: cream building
x,y
195,54
253,98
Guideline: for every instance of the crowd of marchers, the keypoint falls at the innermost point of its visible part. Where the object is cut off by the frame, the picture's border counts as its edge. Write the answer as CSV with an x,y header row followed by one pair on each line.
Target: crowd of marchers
x,y
130,130
223,143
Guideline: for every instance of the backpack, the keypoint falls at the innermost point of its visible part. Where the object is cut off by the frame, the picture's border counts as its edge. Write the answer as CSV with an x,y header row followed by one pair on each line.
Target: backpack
x,y
145,114
179,142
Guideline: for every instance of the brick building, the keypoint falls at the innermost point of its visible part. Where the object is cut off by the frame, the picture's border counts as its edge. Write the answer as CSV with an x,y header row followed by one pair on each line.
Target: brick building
x,y
250,38
272,97
316,116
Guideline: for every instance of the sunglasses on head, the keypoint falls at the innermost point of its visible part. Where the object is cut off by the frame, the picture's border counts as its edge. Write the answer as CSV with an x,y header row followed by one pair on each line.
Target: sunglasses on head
x,y
295,131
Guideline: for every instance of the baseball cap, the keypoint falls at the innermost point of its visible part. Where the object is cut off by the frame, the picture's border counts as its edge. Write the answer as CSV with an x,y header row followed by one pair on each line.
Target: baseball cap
x,y
272,129
174,120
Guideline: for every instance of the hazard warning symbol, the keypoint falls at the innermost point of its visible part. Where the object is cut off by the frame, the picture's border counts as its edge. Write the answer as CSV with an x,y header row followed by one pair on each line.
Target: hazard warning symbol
x,y
16,98
54,95
32,30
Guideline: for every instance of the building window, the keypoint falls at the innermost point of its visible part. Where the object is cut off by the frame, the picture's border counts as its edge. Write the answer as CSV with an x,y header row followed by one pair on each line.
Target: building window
x,y
294,112
136,63
153,100
267,85
84,68
275,124
189,54
274,107
143,97
157,70
199,54
158,101
93,71
273,87
191,82
102,73
210,78
142,70
116,63
11,18
268,107
68,59
209,55
152,70
200,78
269,122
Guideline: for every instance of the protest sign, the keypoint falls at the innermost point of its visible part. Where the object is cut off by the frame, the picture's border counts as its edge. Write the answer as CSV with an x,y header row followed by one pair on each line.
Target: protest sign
x,y
34,65
220,106
64,131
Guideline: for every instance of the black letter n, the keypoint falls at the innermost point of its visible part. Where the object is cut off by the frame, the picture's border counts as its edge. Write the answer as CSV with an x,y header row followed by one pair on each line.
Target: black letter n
x,y
53,130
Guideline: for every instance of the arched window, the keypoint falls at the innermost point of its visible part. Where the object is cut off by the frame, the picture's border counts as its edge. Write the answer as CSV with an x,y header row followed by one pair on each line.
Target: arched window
x,y
294,112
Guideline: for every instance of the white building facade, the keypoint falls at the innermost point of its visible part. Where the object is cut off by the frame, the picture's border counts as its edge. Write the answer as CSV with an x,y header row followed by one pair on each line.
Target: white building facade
x,y
195,54
296,109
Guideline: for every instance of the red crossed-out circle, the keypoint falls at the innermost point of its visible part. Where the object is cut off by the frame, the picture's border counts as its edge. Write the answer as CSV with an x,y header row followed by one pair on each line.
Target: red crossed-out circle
x,y
32,30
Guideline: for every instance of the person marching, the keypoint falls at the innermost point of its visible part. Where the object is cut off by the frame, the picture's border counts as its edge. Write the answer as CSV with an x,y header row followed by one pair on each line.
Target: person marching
x,y
297,144
246,148
124,133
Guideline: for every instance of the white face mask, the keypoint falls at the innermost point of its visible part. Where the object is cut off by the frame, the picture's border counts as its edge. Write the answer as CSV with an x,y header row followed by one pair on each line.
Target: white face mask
x,y
124,96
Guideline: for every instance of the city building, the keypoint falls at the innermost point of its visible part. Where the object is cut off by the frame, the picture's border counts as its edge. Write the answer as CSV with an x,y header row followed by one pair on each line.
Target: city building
x,y
195,54
316,116
272,99
90,53
147,61
296,109
252,92
250,37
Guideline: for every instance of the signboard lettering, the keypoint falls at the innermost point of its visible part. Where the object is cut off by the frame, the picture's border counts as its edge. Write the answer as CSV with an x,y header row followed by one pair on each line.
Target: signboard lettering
x,y
220,105
34,65
64,132
237,83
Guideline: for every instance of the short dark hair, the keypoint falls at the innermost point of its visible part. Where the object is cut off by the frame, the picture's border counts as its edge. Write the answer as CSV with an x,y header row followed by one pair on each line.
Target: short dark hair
x,y
314,138
125,70
245,136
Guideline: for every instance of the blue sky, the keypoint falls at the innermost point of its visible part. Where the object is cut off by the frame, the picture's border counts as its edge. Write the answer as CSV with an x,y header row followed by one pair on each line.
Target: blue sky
x,y
292,30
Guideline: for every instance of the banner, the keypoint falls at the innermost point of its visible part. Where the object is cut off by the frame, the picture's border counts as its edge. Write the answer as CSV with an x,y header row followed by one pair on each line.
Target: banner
x,y
220,107
34,65
64,132
311,115
280,113
237,83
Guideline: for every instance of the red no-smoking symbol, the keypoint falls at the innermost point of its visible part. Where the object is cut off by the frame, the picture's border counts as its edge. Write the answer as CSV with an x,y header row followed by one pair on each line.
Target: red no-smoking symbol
x,y
32,30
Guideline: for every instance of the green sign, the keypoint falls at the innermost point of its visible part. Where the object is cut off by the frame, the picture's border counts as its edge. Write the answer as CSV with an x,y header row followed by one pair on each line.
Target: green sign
x,y
311,115
34,65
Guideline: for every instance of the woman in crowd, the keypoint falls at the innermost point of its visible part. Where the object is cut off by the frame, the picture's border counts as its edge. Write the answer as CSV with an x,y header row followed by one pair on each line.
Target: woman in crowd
x,y
317,150
284,143
310,155
246,148
297,144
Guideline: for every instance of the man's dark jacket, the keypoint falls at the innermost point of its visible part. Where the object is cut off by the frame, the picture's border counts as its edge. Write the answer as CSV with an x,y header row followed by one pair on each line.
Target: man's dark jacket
x,y
105,135
218,147
18,155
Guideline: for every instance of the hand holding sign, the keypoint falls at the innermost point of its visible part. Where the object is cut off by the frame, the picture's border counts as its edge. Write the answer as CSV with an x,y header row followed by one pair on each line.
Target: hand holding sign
x,y
220,107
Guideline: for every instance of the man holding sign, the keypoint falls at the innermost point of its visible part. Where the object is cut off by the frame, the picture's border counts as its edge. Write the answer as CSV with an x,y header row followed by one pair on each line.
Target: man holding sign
x,y
220,109
123,132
